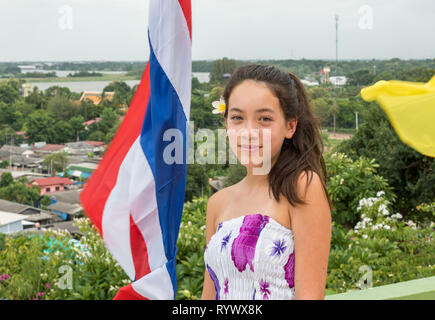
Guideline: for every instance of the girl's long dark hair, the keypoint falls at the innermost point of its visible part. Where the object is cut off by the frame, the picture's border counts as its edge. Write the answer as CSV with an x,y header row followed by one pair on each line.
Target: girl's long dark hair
x,y
303,152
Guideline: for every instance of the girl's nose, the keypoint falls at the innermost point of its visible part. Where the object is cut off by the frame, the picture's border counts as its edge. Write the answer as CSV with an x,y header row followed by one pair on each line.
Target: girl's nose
x,y
250,132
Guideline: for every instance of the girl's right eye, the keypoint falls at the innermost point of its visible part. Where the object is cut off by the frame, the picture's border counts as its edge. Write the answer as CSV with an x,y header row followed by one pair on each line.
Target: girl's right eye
x,y
236,118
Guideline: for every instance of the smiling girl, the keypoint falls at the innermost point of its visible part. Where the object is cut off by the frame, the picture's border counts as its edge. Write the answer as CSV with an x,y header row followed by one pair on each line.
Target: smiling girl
x,y
268,236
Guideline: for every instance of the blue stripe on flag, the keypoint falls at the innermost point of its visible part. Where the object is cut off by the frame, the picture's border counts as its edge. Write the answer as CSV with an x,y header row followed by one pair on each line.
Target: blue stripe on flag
x,y
165,111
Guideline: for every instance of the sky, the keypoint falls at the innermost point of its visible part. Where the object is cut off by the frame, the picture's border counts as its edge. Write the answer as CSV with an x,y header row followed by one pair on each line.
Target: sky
x,y
116,30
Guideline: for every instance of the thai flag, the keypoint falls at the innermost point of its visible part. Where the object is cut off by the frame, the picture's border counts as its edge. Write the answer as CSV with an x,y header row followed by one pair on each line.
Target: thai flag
x,y
135,198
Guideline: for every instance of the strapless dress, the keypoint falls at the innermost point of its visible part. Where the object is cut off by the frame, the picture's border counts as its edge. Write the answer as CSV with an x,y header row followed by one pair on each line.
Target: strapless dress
x,y
251,257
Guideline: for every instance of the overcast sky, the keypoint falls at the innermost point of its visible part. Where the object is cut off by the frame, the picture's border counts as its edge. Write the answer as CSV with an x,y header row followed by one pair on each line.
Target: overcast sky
x,y
59,30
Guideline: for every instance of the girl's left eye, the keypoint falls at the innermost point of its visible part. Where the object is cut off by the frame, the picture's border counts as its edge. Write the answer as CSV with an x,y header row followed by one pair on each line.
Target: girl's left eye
x,y
265,119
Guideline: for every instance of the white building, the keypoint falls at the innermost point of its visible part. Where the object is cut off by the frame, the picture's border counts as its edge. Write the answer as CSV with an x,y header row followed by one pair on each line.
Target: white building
x,y
338,81
27,68
11,222
310,83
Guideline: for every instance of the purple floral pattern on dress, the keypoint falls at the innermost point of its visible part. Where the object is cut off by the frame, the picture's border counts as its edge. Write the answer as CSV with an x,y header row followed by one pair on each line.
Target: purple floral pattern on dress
x,y
243,248
264,289
289,269
278,248
225,241
226,286
215,281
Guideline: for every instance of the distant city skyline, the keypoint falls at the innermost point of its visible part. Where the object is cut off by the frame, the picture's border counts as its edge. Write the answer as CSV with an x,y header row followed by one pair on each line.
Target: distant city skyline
x,y
116,30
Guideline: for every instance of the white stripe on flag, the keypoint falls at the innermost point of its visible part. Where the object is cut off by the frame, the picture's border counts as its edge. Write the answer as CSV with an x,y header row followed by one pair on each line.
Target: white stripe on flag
x,y
173,51
134,192
156,285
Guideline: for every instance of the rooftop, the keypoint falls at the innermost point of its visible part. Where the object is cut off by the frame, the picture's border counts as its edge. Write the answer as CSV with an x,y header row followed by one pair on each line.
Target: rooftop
x,y
65,207
70,196
96,96
7,217
13,207
49,147
51,181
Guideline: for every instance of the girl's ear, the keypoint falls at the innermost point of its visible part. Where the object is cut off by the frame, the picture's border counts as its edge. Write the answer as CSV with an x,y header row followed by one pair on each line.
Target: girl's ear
x,y
291,128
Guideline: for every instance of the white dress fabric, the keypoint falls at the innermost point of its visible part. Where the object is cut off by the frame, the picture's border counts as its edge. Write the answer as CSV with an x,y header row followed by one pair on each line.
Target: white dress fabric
x,y
251,257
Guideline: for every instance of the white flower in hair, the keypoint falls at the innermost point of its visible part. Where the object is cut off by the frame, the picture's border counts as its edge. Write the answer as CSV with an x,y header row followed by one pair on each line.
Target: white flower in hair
x,y
218,106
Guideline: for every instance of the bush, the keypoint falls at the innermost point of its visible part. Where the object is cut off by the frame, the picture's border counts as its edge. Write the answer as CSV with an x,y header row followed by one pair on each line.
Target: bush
x,y
411,174
37,267
190,250
348,182
381,243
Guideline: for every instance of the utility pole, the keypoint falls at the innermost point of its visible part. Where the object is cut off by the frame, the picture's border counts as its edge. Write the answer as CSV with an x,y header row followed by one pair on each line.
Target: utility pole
x,y
336,43
356,119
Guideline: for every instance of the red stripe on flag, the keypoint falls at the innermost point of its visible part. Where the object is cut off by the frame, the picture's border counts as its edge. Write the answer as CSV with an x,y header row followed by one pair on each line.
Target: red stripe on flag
x,y
187,11
128,293
103,179
139,251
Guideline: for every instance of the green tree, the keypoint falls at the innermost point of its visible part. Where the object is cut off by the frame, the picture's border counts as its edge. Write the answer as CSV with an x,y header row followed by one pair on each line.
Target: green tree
x,y
89,110
360,78
45,201
76,124
10,116
112,131
9,136
318,92
64,132
109,119
321,107
55,162
35,98
122,92
54,91
196,181
220,67
6,179
61,108
4,164
19,193
40,127
9,91
97,136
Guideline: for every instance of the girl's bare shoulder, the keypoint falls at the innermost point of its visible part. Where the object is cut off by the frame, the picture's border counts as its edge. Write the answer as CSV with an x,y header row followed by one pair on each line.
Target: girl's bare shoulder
x,y
220,198
218,203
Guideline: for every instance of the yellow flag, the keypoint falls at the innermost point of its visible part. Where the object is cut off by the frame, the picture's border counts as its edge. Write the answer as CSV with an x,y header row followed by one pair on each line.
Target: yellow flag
x,y
410,107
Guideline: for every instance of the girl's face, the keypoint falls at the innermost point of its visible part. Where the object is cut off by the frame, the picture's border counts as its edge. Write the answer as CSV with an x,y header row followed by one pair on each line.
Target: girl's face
x,y
254,115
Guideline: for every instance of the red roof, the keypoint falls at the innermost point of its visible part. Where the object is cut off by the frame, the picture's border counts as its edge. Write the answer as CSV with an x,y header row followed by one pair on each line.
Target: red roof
x,y
95,143
52,181
89,122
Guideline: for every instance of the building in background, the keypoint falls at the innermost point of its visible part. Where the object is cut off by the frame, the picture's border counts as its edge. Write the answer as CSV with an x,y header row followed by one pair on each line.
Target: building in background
x,y
11,222
52,184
